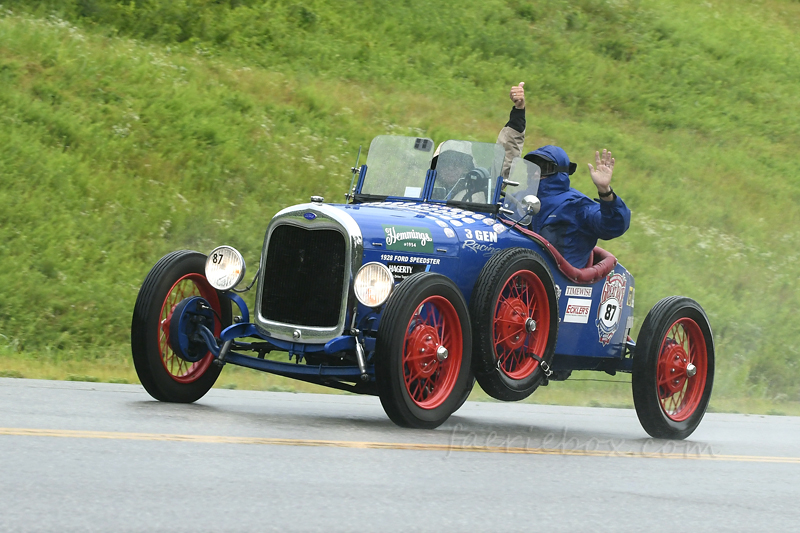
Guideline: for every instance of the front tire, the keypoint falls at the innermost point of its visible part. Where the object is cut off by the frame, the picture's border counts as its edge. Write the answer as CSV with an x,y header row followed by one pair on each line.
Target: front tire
x,y
673,368
423,351
165,375
514,313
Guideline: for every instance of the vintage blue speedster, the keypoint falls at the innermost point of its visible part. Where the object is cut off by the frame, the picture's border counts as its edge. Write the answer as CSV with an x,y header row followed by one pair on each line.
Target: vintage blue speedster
x,y
425,280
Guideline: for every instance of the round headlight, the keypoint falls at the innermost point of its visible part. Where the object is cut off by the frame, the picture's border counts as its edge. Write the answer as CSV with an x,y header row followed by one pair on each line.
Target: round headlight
x,y
224,268
373,284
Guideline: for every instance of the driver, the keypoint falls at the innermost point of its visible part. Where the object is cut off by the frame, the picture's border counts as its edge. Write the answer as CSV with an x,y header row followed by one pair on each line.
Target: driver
x,y
452,166
568,219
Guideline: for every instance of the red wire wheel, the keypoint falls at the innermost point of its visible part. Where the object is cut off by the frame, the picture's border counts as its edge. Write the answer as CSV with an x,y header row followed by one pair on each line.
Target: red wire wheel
x,y
423,351
673,368
514,313
178,368
521,324
682,368
433,352
165,375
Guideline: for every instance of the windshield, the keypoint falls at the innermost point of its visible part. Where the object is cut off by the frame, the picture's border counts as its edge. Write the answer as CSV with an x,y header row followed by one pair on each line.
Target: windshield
x,y
467,171
396,166
523,180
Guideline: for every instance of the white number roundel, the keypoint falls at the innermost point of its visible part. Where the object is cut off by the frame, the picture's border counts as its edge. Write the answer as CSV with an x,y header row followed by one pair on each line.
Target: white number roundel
x,y
609,312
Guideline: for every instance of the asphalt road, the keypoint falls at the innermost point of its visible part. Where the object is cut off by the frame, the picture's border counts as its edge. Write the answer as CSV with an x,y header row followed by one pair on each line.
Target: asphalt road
x,y
102,457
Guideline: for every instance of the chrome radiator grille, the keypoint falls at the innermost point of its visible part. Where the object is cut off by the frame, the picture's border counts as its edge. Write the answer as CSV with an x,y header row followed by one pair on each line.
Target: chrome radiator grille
x,y
304,276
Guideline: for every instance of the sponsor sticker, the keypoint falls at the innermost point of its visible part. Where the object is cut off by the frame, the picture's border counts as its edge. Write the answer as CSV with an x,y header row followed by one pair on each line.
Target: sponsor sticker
x,y
499,228
480,235
456,223
401,271
406,237
558,291
583,292
468,220
487,250
441,223
578,311
630,297
450,233
610,308
412,260
488,221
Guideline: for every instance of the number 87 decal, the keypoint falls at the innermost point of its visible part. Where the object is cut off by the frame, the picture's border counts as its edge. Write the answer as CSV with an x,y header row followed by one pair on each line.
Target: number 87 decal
x,y
609,314
610,308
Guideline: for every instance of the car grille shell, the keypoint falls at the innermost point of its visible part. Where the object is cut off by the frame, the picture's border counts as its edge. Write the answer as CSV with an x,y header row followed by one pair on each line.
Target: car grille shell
x,y
311,253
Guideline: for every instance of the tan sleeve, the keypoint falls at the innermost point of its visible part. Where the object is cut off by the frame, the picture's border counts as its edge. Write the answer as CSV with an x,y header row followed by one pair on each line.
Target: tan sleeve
x,y
512,141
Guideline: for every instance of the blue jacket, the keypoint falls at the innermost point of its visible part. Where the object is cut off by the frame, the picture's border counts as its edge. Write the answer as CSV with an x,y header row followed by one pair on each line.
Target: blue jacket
x,y
572,221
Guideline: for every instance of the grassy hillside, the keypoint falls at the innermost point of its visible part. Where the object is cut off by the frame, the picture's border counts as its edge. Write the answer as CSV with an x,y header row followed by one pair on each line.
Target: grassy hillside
x,y
128,130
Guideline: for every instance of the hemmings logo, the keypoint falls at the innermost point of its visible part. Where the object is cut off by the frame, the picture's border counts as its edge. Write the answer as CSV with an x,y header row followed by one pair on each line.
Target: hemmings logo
x,y
407,238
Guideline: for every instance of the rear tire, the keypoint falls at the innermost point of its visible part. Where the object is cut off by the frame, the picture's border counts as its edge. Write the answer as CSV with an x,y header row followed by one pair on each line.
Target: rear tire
x,y
514,313
673,368
423,351
466,393
165,375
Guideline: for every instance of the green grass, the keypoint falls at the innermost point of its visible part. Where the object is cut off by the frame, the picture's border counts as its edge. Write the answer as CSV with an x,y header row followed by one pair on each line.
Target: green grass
x,y
130,130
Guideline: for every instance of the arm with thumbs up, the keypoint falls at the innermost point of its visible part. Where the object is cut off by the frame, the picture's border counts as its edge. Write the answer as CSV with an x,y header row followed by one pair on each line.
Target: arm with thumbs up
x,y
512,136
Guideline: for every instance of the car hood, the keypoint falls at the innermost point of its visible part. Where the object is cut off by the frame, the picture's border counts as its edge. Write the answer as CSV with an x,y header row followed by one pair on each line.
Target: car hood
x,y
418,228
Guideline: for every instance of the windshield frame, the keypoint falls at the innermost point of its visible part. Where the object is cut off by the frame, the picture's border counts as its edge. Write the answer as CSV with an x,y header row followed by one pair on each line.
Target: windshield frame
x,y
396,166
464,169
490,154
523,179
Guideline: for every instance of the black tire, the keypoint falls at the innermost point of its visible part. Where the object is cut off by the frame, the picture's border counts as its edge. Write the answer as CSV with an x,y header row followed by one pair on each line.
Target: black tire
x,y
506,294
417,388
466,393
163,374
671,398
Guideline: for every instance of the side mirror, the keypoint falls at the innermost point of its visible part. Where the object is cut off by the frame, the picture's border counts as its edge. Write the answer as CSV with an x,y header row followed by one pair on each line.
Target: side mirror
x,y
531,204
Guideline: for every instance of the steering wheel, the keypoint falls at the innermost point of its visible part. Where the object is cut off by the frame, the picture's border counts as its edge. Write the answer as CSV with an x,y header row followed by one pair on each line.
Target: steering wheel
x,y
475,181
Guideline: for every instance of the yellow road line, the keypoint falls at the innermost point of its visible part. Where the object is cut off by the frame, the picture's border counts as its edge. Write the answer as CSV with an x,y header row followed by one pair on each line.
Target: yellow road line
x,y
217,439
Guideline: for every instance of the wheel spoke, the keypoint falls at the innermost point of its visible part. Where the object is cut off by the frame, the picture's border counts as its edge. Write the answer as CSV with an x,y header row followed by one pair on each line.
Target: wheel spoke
x,y
508,321
692,353
416,372
416,391
511,334
419,357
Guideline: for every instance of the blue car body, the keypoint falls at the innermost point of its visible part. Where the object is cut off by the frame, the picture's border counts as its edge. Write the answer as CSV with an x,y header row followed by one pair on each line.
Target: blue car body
x,y
411,235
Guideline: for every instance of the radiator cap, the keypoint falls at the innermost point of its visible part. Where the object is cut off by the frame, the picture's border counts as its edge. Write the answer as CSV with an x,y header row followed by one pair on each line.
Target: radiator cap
x,y
317,199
